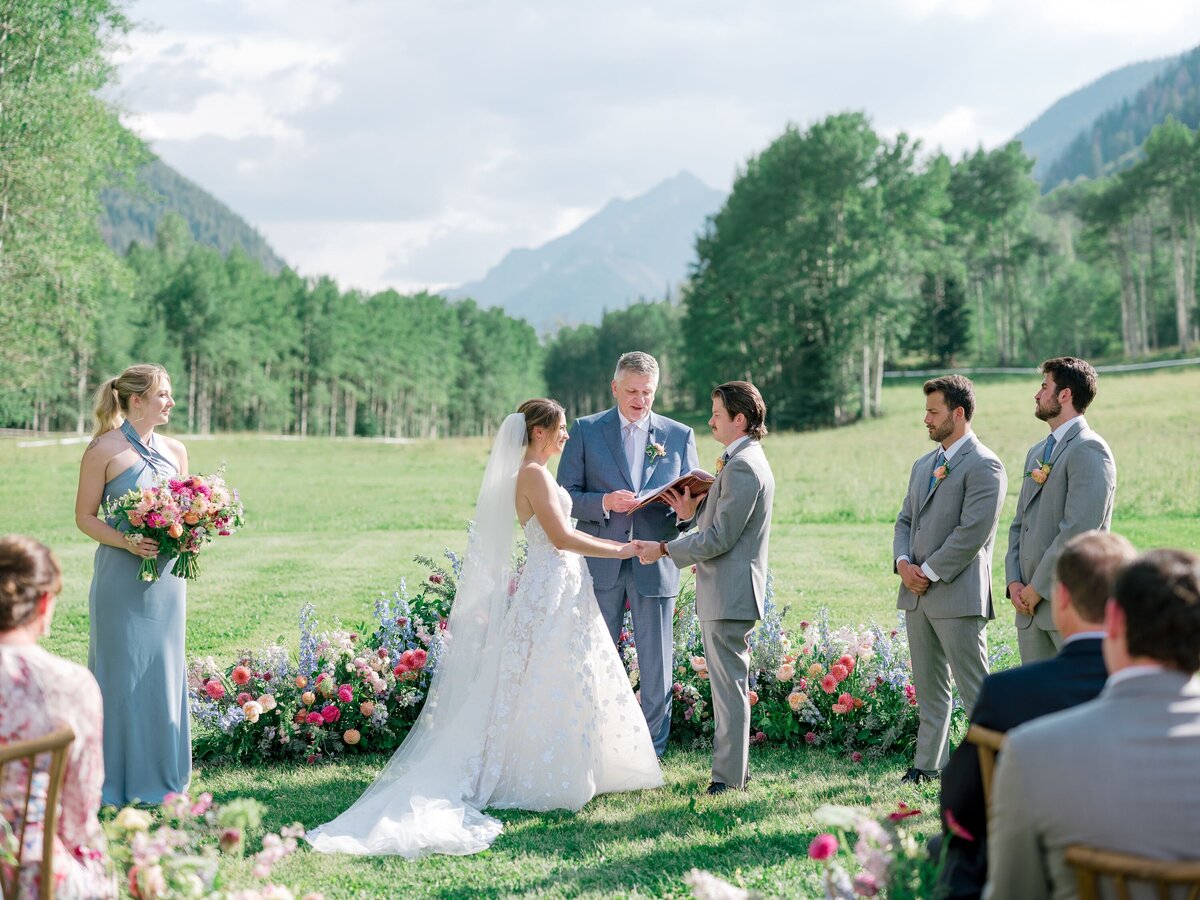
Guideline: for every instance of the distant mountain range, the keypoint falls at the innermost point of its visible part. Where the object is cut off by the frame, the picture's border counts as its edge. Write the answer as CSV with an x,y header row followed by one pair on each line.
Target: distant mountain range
x,y
1048,136
631,249
642,247
133,217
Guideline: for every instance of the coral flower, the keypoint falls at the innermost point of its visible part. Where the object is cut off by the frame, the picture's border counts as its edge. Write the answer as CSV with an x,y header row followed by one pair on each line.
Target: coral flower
x,y
214,689
367,708
839,672
829,684
753,697
301,682
846,660
351,736
308,698
240,675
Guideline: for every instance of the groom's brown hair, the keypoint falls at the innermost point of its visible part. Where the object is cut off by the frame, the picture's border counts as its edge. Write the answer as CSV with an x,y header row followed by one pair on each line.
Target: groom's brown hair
x,y
743,397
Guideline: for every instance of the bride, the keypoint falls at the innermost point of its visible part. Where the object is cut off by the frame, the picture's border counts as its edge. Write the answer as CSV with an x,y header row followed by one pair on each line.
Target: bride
x,y
530,706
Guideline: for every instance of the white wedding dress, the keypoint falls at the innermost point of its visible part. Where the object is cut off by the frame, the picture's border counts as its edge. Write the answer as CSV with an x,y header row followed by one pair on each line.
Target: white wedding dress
x,y
531,707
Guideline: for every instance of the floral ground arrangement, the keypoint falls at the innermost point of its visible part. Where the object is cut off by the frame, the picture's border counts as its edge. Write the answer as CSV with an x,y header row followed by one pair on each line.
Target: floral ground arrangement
x,y
356,690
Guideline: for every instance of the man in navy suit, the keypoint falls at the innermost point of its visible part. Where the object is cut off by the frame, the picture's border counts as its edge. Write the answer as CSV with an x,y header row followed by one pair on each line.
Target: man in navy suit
x,y
1083,582
611,458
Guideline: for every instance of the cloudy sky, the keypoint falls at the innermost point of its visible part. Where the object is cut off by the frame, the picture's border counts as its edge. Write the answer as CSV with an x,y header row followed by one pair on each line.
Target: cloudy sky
x,y
411,144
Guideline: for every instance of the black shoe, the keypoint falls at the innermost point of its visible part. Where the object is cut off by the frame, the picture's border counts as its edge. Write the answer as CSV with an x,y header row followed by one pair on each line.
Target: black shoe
x,y
916,776
717,787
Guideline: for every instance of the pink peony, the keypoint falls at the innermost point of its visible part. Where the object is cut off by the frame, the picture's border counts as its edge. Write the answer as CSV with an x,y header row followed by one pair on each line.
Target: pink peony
x,y
240,675
331,714
314,718
829,684
214,689
823,846
345,693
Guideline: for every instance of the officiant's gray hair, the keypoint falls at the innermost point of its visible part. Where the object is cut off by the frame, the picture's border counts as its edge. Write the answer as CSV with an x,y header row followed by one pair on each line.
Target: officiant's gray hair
x,y
639,362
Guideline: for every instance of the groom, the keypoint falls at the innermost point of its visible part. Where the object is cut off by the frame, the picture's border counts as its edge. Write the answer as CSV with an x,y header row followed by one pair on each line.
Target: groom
x,y
729,551
611,457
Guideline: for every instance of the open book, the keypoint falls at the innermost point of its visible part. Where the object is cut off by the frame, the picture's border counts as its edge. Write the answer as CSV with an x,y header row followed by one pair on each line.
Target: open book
x,y
697,480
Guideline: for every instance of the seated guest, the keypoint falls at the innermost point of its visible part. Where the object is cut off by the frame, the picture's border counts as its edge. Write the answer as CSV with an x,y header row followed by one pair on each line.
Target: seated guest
x,y
1083,582
1121,772
43,693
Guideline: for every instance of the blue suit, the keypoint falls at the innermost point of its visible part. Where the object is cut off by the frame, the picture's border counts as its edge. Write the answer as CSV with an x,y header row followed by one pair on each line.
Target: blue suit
x,y
593,464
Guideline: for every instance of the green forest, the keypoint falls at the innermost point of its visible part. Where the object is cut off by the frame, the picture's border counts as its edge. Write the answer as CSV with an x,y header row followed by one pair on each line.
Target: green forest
x,y
839,253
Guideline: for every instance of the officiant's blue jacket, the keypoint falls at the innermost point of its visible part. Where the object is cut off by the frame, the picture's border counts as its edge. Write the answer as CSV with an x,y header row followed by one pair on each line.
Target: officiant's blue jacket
x,y
593,464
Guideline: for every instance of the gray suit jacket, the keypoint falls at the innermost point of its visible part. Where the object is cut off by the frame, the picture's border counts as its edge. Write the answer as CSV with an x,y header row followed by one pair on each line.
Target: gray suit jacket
x,y
593,464
729,547
952,527
1077,497
1121,772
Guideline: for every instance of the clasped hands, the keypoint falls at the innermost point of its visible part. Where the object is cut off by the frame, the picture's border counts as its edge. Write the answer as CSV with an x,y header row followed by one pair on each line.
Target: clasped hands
x,y
914,579
1024,598
647,551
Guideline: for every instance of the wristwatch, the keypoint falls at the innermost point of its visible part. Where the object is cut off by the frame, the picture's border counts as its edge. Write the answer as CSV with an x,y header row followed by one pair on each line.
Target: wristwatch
x,y
662,548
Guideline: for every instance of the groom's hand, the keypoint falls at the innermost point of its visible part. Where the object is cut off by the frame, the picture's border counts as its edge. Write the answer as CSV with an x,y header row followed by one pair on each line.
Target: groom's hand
x,y
619,501
912,576
648,552
684,504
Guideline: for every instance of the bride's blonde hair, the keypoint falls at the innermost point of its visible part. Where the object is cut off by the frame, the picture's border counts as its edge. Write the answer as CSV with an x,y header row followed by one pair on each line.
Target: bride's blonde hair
x,y
112,397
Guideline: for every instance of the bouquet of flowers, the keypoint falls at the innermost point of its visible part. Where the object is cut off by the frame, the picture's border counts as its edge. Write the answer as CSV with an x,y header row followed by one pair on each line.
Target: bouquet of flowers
x,y
182,515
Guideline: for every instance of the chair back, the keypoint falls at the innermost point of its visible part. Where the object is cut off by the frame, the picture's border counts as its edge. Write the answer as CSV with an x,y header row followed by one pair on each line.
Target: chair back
x,y
55,744
1170,880
987,743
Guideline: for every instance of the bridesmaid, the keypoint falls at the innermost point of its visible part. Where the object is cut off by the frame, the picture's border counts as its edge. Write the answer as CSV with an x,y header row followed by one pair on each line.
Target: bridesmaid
x,y
136,648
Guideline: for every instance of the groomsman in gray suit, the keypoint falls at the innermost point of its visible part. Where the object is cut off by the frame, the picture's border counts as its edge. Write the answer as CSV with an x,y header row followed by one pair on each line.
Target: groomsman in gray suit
x,y
1069,485
611,458
729,551
1121,772
942,546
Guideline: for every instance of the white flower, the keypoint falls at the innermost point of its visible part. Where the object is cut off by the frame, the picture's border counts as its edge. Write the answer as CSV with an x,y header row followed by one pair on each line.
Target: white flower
x,y
130,819
253,709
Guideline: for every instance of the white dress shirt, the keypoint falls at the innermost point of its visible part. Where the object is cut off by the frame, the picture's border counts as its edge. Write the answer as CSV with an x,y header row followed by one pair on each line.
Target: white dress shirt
x,y
949,453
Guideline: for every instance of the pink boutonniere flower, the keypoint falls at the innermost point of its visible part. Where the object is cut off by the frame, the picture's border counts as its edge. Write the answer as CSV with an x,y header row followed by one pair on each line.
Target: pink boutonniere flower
x,y
941,472
1040,472
655,450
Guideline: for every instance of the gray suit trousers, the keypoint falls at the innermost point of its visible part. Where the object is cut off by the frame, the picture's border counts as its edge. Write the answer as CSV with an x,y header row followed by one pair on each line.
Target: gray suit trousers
x,y
940,647
727,652
651,616
1037,643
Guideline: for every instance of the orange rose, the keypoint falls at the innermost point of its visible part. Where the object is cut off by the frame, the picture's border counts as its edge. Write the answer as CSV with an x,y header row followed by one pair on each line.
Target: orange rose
x,y
175,530
190,517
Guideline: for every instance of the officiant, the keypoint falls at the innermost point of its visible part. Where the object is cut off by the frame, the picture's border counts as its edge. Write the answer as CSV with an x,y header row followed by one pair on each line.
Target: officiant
x,y
611,458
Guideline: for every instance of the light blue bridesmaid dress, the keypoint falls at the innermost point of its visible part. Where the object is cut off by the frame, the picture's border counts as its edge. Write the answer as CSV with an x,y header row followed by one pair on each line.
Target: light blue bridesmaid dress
x,y
136,652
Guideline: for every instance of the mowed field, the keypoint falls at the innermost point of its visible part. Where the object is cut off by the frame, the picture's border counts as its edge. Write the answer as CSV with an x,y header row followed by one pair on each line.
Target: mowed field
x,y
335,521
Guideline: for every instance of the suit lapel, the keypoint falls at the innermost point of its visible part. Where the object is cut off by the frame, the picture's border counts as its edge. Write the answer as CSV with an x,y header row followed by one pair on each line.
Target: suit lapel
x,y
1058,450
654,427
612,433
959,458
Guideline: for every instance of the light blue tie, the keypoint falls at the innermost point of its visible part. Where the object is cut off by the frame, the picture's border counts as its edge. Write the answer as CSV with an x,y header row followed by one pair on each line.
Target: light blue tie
x,y
937,464
1049,451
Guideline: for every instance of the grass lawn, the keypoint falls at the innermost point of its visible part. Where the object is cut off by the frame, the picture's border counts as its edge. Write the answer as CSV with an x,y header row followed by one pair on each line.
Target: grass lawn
x,y
336,521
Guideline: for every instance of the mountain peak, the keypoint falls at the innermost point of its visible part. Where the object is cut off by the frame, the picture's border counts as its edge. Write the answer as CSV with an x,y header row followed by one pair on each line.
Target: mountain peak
x,y
633,248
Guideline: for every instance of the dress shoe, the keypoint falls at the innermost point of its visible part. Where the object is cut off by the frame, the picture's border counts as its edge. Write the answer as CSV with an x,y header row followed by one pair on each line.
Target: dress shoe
x,y
916,776
717,787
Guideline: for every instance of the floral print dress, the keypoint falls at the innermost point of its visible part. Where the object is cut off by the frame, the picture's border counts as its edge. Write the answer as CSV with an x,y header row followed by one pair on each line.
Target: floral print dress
x,y
42,693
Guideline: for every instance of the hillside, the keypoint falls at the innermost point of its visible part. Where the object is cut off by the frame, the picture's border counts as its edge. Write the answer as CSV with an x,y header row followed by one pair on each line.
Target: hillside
x,y
629,250
134,217
1112,141
1048,136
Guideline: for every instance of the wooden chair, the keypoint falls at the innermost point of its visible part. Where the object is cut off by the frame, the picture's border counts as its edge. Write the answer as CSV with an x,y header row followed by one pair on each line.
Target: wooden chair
x,y
55,744
988,743
1170,879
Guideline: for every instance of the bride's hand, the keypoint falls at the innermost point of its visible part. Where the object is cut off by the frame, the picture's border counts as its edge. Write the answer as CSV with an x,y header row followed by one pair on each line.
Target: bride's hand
x,y
629,550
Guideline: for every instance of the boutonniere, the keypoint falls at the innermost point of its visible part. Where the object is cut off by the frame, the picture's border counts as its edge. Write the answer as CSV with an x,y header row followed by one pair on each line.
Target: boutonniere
x,y
1040,472
655,450
720,463
940,473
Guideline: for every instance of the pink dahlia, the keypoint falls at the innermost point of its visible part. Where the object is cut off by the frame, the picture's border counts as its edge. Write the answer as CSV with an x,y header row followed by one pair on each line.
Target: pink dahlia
x,y
823,846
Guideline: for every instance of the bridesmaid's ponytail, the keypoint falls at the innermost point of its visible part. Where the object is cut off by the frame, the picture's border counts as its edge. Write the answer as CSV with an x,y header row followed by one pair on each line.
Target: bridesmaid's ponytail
x,y
112,397
108,408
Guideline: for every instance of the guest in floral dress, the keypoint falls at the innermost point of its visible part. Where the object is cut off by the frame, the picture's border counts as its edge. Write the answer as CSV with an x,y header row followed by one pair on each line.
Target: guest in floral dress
x,y
42,693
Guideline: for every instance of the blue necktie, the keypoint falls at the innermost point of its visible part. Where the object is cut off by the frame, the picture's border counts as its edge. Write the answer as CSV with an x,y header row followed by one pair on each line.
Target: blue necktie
x,y
937,464
1049,451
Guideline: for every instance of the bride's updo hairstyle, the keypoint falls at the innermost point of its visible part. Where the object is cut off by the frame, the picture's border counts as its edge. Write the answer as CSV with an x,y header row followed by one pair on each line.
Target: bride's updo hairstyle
x,y
541,414
28,570
112,397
